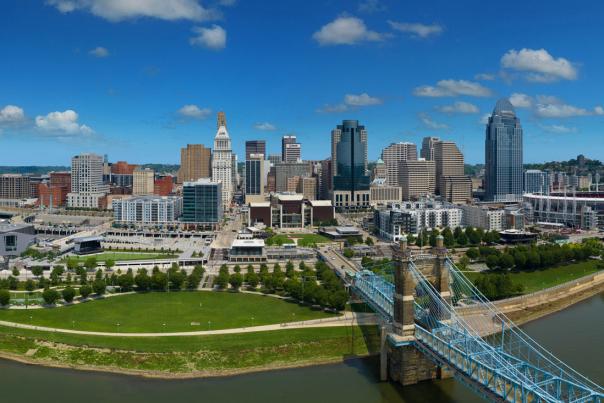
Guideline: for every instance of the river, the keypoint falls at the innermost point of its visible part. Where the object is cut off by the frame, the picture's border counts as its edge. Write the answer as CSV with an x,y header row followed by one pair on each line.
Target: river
x,y
575,335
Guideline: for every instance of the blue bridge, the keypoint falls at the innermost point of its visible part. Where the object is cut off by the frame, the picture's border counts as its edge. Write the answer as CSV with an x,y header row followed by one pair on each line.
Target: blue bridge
x,y
437,324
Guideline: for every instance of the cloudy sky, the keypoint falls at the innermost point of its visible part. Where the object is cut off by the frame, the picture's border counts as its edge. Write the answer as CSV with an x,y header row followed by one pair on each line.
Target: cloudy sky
x,y
138,79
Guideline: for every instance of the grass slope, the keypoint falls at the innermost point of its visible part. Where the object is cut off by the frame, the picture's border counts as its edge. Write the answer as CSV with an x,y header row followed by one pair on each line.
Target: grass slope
x,y
167,312
124,256
189,354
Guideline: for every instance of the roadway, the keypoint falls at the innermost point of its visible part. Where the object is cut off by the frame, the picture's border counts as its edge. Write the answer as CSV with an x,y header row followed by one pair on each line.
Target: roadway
x,y
335,260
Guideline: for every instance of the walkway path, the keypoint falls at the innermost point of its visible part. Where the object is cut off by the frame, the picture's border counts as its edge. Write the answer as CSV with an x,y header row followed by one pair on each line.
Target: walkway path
x,y
348,319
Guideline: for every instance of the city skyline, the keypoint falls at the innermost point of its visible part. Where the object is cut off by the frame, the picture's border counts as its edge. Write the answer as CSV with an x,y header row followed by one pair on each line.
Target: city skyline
x,y
111,94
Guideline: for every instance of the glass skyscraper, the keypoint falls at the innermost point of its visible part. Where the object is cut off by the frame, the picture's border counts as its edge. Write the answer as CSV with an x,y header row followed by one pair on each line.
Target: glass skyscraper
x,y
350,179
503,155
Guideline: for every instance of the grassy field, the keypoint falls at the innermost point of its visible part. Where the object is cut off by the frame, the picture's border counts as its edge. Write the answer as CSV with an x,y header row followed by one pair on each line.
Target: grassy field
x,y
167,312
122,256
188,354
309,240
540,279
278,239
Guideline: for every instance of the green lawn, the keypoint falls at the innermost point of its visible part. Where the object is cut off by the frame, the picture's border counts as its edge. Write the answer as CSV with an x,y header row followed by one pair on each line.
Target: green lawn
x,y
167,312
278,239
309,240
194,353
122,256
541,279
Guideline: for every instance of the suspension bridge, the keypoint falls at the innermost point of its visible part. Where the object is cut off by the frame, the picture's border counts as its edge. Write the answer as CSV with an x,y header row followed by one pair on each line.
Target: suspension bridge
x,y
437,324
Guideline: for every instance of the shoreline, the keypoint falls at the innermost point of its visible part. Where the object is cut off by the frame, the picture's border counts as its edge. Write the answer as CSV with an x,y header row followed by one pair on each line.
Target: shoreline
x,y
520,315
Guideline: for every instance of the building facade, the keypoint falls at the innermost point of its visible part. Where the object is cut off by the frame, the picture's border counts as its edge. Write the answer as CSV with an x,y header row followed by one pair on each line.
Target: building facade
x,y
536,181
393,155
285,140
417,178
255,177
485,217
222,163
195,163
285,170
202,203
503,155
427,151
147,210
254,147
143,182
87,187
451,183
349,166
14,186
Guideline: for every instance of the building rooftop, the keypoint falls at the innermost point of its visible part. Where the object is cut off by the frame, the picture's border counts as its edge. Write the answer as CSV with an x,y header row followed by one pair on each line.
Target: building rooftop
x,y
200,181
320,203
504,107
290,197
248,243
260,204
87,239
7,227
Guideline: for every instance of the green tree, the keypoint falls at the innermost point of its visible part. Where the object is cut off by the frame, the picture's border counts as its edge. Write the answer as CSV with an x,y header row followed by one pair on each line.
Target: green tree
x,y
68,294
37,270
252,280
99,287
142,280
369,241
506,261
462,239
235,280
126,281
448,238
4,297
50,296
237,269
109,263
90,263
492,261
159,281
222,280
72,264
29,285
85,291
348,253
472,253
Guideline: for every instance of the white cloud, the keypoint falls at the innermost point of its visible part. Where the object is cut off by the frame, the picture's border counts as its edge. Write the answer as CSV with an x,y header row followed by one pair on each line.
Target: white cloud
x,y
194,112
62,123
559,111
485,118
417,29
559,129
265,126
361,100
548,99
351,101
118,10
539,65
598,110
484,77
345,30
11,114
99,52
371,6
430,123
459,107
211,38
451,88
521,100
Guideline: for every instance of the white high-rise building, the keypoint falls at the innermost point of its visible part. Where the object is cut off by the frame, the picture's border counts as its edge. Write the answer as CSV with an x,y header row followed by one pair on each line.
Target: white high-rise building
x,y
87,188
222,161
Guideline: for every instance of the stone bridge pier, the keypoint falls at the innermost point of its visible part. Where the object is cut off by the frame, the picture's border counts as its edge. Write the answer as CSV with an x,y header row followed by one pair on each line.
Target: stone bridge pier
x,y
401,361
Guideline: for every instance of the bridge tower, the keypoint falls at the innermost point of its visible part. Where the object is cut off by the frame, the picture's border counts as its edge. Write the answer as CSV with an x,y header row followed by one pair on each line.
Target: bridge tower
x,y
405,363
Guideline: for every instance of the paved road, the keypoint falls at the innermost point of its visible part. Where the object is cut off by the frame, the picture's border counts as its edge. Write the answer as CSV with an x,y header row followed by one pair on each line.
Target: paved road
x,y
335,260
348,319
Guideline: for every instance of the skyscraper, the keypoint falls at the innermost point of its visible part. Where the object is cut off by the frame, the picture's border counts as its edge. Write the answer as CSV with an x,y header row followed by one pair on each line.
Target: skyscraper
x,y
503,155
392,157
202,203
143,182
285,140
451,183
195,163
536,181
349,165
256,170
222,161
427,151
293,152
255,147
417,178
87,188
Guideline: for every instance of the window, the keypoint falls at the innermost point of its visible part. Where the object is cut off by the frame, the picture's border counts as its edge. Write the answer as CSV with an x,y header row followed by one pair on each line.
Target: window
x,y
10,243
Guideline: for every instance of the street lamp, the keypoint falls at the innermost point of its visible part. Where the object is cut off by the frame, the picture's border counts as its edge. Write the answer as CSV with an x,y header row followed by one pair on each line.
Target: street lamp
x,y
209,324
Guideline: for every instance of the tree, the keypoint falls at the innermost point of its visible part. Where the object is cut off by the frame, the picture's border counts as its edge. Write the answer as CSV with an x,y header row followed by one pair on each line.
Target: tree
x,y
90,263
506,261
142,280
85,291
72,264
237,269
235,280
492,261
50,296
4,297
462,239
109,263
472,253
16,272
29,285
68,294
159,281
433,234
474,237
99,287
177,280
369,241
348,253
463,262
37,270
126,281
448,238
338,299
252,280
222,280
288,265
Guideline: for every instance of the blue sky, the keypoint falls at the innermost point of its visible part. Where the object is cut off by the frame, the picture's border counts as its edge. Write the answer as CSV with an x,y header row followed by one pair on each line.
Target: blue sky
x,y
138,79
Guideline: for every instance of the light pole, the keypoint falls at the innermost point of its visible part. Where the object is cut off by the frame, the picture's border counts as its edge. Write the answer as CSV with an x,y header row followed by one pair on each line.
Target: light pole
x,y
209,324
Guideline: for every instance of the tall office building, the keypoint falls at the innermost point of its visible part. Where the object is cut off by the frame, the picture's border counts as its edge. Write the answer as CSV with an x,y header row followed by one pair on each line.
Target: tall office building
x,y
536,181
256,171
14,186
349,165
285,140
202,203
427,151
254,147
275,158
503,155
417,178
195,163
392,157
325,179
143,182
451,183
293,152
87,187
285,170
222,161
122,176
